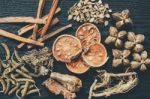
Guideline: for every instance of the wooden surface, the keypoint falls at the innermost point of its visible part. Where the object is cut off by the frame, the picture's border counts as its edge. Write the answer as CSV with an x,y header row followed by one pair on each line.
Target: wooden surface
x,y
140,13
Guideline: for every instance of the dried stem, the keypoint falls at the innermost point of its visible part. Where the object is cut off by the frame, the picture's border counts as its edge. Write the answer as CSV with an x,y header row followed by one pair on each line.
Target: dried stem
x,y
29,27
18,38
55,21
50,17
22,20
49,35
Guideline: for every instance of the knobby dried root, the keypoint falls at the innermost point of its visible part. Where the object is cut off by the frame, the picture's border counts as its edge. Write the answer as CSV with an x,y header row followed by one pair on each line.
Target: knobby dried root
x,y
126,82
64,84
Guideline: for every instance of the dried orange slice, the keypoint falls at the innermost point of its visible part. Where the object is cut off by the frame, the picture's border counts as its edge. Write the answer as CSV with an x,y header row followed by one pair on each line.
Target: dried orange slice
x,y
78,66
96,55
88,34
66,48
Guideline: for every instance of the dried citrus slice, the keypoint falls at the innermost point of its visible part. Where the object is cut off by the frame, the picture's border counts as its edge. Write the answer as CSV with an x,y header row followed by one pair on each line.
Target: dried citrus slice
x,y
66,48
78,66
96,55
88,34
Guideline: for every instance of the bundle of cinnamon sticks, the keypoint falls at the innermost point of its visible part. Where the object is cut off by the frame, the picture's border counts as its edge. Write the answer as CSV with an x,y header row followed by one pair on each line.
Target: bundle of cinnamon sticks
x,y
39,34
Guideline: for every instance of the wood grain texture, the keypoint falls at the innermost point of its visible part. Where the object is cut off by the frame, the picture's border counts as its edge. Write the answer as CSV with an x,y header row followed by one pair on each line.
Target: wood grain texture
x,y
140,13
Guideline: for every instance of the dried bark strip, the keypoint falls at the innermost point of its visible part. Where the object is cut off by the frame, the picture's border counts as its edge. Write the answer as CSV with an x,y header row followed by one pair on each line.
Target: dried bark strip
x,y
18,38
22,20
50,17
29,27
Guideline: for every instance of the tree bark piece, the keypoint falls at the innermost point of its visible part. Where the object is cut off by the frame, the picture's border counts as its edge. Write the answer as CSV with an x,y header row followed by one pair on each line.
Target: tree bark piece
x,y
18,38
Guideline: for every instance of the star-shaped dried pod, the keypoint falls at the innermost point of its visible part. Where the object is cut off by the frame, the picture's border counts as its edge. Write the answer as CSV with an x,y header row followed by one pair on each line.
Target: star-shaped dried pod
x,y
122,18
140,61
120,57
134,42
115,37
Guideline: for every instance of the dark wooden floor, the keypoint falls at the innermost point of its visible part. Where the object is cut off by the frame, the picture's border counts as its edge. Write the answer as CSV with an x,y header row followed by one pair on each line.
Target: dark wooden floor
x,y
140,13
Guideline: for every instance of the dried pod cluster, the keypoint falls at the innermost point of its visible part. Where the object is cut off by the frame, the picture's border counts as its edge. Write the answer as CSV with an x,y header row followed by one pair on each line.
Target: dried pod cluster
x,y
90,11
67,48
63,84
115,37
122,18
140,61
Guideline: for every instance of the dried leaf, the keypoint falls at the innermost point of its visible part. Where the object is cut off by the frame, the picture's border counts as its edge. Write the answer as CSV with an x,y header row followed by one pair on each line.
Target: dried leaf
x,y
117,62
135,64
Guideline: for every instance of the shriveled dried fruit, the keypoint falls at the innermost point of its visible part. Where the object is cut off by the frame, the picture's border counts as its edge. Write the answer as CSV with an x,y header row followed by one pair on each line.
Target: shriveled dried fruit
x,y
120,57
77,66
134,42
115,37
66,48
140,61
96,55
122,18
88,34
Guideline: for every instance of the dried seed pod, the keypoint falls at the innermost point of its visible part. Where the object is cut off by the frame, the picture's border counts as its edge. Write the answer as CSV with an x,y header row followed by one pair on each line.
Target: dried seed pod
x,y
96,55
77,66
88,34
66,48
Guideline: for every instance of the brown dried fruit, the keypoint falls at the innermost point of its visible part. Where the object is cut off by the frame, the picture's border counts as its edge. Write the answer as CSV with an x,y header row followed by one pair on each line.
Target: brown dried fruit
x,y
120,57
66,48
115,37
134,42
77,66
96,55
122,18
140,61
88,34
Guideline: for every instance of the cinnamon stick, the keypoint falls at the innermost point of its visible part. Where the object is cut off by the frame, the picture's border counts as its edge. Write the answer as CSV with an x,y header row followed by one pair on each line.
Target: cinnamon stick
x,y
39,14
50,17
18,38
49,35
29,27
22,20
55,21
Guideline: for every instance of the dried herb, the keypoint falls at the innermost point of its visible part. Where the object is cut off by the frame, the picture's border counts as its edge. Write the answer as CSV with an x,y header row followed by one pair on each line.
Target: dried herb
x,y
124,83
90,11
120,57
134,42
140,61
122,18
115,37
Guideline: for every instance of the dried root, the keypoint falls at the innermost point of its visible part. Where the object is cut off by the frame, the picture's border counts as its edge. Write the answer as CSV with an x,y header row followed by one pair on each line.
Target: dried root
x,y
126,82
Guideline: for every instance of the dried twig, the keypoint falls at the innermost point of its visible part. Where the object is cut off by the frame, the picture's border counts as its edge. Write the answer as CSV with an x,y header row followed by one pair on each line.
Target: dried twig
x,y
18,38
22,20
49,35
39,14
55,21
50,17
31,26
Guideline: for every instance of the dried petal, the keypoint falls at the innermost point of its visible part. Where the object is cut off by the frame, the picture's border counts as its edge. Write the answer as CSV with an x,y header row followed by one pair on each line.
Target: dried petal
x,y
125,13
135,64
118,43
143,67
128,21
121,34
119,24
144,55
147,61
140,38
117,53
126,62
137,57
126,53
138,48
131,36
70,17
110,39
129,45
117,62
113,31
116,16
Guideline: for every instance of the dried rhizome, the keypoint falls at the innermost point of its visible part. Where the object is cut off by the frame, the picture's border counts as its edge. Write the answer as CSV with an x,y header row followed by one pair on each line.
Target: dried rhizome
x,y
83,51
124,82
63,84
